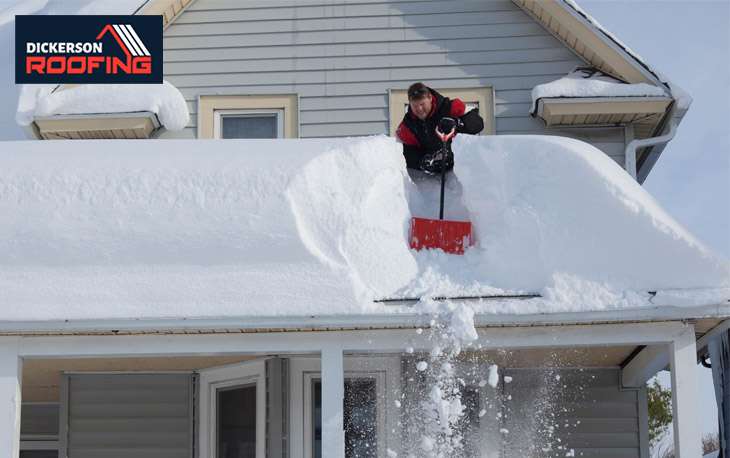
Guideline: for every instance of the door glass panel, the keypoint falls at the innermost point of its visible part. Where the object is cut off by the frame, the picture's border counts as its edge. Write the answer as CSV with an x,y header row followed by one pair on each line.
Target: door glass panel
x,y
260,126
236,423
360,418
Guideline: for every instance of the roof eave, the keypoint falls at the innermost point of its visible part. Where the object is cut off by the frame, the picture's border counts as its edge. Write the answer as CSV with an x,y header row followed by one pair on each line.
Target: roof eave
x,y
405,320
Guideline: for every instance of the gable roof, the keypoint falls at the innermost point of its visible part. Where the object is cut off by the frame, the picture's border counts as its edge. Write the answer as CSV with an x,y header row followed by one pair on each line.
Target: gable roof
x,y
596,45
591,41
168,9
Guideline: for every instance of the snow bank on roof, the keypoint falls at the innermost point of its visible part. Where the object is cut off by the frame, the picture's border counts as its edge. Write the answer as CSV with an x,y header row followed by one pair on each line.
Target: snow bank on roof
x,y
162,99
113,229
591,83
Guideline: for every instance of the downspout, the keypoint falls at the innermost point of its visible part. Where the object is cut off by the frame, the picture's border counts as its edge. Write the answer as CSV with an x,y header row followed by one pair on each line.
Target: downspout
x,y
630,151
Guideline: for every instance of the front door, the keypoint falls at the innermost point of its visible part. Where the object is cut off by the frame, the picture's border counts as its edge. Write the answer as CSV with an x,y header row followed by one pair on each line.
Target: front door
x,y
233,411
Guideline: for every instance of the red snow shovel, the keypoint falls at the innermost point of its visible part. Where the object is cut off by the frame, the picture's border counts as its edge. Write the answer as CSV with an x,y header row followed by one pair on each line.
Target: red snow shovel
x,y
450,236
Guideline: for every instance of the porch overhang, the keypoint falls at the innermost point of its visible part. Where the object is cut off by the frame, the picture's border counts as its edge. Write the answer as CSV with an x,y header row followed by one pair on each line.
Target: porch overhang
x,y
706,318
136,125
601,111
623,328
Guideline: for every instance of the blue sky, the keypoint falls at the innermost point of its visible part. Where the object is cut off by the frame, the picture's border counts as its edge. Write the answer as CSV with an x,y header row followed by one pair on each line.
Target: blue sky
x,y
689,41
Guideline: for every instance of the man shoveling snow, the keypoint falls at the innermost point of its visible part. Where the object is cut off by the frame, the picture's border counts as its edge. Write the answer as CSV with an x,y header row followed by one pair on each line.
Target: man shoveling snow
x,y
427,110
426,132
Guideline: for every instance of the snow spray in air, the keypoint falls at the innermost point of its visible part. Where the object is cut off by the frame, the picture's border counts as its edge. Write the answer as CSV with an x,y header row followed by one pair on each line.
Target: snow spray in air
x,y
442,410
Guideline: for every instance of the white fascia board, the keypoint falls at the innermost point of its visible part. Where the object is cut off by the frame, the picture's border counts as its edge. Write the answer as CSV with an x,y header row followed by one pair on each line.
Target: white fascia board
x,y
641,66
357,341
125,114
396,320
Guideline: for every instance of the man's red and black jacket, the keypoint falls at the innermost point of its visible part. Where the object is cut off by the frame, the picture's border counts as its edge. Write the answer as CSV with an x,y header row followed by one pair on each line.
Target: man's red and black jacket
x,y
419,136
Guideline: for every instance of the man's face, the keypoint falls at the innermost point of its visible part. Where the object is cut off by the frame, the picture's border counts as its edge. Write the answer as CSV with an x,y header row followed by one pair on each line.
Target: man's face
x,y
421,107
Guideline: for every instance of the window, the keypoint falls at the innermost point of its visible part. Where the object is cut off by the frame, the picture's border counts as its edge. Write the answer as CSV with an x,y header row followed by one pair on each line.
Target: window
x,y
479,97
236,423
249,123
370,415
232,410
248,116
360,418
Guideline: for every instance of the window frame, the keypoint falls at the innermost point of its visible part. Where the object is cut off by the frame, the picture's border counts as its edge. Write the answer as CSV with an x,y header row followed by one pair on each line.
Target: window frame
x,y
305,370
208,105
229,376
483,96
249,113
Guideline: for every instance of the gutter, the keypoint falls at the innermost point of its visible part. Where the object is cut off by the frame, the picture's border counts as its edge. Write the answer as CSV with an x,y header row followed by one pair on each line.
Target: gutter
x,y
405,320
630,151
652,155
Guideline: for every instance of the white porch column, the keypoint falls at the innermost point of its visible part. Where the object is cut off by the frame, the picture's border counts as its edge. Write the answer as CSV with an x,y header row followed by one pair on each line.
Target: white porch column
x,y
333,393
10,382
685,405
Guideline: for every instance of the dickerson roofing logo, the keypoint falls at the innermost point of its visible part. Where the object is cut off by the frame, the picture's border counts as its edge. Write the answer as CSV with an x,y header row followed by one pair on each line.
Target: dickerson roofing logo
x,y
88,49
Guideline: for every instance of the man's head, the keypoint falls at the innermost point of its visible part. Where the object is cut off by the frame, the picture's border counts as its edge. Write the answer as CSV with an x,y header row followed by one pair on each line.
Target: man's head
x,y
419,99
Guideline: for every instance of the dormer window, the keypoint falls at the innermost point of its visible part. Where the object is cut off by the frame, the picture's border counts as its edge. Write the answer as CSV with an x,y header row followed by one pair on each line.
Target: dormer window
x,y
248,116
249,123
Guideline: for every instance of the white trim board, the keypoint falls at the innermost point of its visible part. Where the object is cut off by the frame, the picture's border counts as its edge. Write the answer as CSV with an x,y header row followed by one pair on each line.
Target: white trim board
x,y
377,321
384,340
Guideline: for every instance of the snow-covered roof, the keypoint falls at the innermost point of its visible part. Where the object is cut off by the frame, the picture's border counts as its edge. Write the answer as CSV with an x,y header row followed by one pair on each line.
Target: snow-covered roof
x,y
164,100
262,228
587,82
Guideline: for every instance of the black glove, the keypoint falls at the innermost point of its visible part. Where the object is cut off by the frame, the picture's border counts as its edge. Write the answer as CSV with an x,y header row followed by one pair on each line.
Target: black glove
x,y
434,163
447,124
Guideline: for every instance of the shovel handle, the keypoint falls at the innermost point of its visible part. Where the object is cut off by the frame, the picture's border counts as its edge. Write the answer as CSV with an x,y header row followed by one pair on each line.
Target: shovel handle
x,y
444,138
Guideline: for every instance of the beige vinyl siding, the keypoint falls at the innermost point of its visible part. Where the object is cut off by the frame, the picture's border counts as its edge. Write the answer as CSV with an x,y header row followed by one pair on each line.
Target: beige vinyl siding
x,y
342,57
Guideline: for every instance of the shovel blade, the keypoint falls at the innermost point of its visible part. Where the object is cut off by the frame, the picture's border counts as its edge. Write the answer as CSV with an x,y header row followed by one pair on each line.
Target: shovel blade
x,y
449,236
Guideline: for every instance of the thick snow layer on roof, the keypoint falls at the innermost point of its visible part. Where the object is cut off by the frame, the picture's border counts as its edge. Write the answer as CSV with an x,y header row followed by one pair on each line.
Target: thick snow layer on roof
x,y
162,99
585,83
196,228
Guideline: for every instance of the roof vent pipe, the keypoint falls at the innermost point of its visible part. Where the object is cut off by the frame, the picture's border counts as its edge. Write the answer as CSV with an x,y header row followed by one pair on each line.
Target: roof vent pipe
x,y
630,151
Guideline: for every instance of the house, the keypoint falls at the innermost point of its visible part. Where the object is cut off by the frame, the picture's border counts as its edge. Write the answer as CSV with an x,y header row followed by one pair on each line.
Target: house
x,y
178,298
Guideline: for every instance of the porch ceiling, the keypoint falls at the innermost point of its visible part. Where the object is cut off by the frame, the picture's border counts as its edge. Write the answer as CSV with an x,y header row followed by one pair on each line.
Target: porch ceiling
x,y
42,377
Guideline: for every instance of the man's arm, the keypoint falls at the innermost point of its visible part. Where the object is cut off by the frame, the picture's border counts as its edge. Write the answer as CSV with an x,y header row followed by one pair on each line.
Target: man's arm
x,y
471,122
412,150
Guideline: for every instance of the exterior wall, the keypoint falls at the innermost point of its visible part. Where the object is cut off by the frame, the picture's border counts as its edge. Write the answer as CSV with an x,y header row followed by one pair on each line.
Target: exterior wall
x,y
583,410
343,57
141,415
587,412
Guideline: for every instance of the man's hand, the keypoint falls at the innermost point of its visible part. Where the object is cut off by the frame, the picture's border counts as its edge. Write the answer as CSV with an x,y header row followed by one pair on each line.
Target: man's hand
x,y
435,162
448,124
